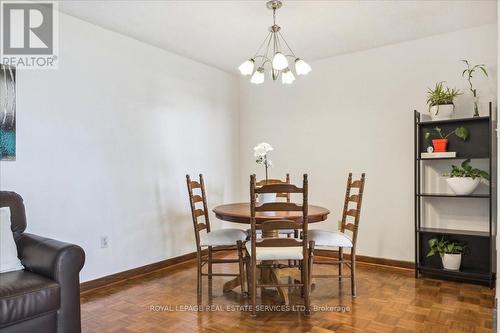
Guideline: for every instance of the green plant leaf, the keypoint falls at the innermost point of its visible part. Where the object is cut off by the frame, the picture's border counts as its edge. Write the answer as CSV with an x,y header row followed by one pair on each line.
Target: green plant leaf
x,y
462,133
484,70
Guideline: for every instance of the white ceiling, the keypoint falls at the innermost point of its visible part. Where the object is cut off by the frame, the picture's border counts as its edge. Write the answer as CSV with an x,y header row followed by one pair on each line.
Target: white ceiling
x,y
224,33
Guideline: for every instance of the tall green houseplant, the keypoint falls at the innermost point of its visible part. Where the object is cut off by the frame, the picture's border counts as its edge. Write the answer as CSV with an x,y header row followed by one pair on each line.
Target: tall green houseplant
x,y
468,73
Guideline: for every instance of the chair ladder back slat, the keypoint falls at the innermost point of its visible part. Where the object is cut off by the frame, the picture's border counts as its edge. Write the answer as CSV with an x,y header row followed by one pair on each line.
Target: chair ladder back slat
x,y
278,207
280,225
352,212
350,226
279,188
278,242
199,212
354,198
197,198
194,184
356,184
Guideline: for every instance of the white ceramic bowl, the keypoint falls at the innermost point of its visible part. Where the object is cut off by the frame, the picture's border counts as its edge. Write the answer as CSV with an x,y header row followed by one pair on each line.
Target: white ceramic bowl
x,y
462,185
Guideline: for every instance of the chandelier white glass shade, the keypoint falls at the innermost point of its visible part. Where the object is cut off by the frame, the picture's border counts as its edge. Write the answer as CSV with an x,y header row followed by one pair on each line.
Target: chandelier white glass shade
x,y
275,56
258,76
302,67
247,67
287,76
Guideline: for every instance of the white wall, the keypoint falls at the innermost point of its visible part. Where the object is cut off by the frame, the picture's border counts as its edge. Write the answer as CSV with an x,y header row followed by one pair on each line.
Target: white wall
x,y
355,113
105,141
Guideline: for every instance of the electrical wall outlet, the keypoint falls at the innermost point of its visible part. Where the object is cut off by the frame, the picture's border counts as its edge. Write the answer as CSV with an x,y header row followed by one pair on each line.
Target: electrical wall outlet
x,y
104,242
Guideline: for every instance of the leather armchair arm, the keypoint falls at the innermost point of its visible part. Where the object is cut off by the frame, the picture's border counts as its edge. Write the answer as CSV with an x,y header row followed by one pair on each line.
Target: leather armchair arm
x,y
61,262
48,257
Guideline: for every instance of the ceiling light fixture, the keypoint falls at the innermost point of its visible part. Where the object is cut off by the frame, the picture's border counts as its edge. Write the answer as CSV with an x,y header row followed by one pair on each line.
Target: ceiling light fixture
x,y
278,59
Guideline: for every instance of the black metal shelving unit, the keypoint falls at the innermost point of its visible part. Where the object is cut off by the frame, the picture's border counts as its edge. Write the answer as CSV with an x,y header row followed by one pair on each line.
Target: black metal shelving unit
x,y
480,265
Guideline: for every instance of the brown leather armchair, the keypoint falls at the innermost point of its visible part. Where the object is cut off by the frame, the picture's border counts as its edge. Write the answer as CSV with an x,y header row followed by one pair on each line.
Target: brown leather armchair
x,y
45,296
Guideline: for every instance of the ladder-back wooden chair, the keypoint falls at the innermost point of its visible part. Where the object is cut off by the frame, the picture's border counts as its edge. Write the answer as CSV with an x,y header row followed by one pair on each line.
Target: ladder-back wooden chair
x,y
266,251
224,239
341,239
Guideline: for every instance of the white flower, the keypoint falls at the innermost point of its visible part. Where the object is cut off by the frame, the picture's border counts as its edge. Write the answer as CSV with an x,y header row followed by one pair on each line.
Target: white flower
x,y
262,149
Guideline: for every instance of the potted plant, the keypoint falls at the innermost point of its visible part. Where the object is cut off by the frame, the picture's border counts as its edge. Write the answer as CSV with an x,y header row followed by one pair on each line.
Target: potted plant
x,y
441,139
468,73
440,101
450,251
260,153
465,179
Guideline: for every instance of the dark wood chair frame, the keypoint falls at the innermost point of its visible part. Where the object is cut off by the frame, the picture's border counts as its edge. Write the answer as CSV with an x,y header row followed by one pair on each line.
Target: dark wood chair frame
x,y
272,227
206,258
351,226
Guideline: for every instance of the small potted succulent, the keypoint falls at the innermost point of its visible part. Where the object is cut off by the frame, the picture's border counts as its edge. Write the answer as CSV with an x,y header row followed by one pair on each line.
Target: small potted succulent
x,y
450,252
260,153
440,101
440,140
465,179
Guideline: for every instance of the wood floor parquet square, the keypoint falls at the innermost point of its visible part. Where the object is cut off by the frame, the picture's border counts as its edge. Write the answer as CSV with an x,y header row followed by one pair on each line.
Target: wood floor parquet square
x,y
390,300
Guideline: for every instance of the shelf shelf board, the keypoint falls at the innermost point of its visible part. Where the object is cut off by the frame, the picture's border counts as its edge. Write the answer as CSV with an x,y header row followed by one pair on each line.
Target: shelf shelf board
x,y
458,120
466,273
444,231
448,195
452,158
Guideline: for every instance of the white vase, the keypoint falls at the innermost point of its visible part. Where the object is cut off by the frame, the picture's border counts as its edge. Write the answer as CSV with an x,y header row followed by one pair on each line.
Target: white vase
x,y
451,261
267,197
442,112
463,185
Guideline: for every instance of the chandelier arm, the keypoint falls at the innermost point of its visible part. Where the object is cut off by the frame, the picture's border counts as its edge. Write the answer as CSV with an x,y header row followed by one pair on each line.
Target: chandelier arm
x,y
262,44
267,49
288,46
275,45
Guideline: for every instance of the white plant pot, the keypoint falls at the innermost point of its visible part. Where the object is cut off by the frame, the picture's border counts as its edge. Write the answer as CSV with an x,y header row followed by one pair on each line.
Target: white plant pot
x,y
451,261
442,112
463,185
267,197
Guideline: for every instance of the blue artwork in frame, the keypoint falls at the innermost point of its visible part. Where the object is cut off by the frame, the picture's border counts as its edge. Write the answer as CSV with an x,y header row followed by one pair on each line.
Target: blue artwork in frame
x,y
7,113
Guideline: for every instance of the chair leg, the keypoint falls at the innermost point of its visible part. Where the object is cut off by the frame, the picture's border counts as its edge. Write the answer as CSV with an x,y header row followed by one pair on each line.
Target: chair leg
x,y
301,268
254,286
198,277
353,273
310,259
210,256
306,287
341,258
239,244
248,270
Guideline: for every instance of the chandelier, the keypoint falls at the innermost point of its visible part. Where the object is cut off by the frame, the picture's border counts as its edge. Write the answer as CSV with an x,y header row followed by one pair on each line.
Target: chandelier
x,y
277,48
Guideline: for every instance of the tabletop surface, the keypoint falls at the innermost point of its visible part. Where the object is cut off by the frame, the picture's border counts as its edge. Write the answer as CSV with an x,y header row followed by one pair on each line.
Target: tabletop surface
x,y
240,213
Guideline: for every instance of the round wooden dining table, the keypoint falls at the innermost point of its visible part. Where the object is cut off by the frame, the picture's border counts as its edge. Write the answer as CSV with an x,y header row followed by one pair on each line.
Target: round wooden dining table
x,y
240,213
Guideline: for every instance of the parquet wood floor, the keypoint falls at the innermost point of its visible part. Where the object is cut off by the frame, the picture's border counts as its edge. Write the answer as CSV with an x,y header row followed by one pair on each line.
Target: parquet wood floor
x,y
389,300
